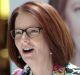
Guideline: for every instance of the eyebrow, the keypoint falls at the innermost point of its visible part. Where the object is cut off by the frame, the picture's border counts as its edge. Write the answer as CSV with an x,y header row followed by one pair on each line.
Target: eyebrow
x,y
75,3
27,27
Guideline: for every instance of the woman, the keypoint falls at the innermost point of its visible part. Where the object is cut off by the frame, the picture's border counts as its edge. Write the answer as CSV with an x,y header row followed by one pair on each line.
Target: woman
x,y
38,41
70,11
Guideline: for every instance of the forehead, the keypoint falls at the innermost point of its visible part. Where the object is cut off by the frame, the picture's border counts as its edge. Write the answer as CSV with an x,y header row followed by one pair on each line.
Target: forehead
x,y
25,20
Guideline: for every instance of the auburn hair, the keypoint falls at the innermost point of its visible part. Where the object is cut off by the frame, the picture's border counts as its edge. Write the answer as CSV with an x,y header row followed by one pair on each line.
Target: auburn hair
x,y
55,32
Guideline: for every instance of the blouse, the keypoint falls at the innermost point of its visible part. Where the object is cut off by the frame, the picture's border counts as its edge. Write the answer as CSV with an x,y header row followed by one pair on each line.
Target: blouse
x,y
69,70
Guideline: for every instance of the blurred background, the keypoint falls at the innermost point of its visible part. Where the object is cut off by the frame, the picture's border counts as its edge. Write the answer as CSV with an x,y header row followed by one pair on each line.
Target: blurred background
x,y
4,60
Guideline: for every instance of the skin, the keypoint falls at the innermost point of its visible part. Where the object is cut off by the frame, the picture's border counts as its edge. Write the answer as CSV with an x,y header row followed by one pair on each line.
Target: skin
x,y
72,18
40,59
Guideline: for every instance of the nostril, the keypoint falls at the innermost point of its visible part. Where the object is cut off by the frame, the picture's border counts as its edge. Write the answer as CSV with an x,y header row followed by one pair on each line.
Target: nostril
x,y
26,41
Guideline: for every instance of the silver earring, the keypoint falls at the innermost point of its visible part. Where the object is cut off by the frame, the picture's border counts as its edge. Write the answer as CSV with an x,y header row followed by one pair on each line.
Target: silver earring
x,y
51,53
19,56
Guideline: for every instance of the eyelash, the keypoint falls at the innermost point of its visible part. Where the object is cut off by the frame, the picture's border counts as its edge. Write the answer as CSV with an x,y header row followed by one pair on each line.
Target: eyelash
x,y
77,9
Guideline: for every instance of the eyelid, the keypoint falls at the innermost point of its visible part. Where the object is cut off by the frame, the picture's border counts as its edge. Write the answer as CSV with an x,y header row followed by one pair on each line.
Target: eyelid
x,y
77,8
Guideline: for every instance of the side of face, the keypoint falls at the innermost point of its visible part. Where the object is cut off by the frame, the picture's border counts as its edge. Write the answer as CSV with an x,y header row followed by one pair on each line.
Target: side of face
x,y
40,50
72,18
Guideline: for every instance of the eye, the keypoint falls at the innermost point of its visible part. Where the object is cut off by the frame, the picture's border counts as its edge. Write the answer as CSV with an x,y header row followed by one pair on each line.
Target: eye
x,y
77,9
33,31
18,32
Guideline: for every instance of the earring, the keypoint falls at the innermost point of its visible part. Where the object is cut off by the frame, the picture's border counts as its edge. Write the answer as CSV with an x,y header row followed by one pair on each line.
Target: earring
x,y
51,53
19,57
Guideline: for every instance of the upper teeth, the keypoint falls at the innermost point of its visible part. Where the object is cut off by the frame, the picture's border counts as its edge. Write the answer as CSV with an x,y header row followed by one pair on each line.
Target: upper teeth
x,y
27,49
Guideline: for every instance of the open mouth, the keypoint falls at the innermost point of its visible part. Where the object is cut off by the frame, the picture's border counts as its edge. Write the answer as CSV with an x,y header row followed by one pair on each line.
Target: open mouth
x,y
28,50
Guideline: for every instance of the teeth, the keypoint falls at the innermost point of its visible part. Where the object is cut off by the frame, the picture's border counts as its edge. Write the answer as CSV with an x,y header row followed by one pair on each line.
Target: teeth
x,y
27,49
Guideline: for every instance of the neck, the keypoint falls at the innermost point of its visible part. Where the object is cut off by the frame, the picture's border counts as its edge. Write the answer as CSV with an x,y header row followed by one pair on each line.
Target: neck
x,y
42,68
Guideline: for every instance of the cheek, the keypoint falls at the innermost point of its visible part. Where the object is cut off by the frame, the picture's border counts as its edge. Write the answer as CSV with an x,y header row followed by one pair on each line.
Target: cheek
x,y
69,21
41,41
42,46
74,24
17,44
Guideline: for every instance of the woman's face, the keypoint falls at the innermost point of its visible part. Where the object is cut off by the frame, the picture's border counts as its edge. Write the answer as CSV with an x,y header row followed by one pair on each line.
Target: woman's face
x,y
72,18
32,45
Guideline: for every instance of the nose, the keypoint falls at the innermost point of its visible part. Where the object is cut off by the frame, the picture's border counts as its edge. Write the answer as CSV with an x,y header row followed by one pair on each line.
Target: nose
x,y
25,37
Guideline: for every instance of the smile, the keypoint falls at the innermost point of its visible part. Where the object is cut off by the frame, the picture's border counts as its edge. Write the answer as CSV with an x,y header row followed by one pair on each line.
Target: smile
x,y
28,50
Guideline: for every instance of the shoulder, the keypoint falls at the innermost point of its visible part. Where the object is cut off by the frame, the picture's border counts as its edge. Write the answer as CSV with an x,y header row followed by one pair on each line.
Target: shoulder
x,y
70,65
17,72
70,68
